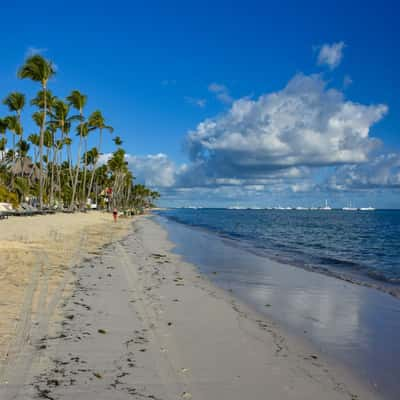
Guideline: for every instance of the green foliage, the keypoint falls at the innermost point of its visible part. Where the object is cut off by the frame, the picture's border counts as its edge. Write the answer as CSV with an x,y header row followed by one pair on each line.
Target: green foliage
x,y
8,197
38,69
15,102
43,166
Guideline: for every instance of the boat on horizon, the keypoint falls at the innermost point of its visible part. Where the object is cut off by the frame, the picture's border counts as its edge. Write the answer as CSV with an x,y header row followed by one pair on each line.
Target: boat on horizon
x,y
350,208
367,208
326,208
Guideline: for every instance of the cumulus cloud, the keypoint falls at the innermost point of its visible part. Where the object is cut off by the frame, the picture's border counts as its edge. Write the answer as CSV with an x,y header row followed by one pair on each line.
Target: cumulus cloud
x,y
276,143
382,172
331,54
153,170
221,93
284,133
195,101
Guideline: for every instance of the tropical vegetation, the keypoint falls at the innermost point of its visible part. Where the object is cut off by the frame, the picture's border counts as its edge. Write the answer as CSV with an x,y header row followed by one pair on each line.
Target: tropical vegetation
x,y
53,167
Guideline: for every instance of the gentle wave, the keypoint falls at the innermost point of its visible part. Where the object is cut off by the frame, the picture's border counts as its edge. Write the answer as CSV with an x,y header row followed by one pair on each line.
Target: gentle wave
x,y
362,247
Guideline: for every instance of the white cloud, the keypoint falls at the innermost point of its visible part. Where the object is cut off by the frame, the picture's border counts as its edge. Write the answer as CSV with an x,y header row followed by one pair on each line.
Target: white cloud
x,y
274,146
153,170
331,54
303,125
195,101
221,92
381,172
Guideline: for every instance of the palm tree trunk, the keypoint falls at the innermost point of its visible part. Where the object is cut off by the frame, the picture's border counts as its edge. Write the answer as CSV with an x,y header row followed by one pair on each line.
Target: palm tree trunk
x,y
71,175
84,174
95,162
52,171
77,168
13,161
41,141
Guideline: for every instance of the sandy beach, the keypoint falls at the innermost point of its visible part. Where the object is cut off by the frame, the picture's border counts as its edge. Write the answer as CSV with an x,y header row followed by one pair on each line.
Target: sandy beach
x,y
138,322
36,255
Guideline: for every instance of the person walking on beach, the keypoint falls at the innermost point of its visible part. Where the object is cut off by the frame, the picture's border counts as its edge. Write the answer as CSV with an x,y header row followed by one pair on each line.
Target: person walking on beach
x,y
115,214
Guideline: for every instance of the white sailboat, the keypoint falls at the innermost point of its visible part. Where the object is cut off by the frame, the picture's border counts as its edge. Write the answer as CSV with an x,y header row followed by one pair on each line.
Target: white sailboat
x,y
349,208
326,208
367,208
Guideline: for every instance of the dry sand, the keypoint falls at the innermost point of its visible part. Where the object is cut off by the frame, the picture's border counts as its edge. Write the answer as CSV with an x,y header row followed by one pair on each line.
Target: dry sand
x,y
35,254
141,323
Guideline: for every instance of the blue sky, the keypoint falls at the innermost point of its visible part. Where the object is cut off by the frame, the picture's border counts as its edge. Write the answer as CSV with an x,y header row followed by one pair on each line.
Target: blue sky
x,y
159,70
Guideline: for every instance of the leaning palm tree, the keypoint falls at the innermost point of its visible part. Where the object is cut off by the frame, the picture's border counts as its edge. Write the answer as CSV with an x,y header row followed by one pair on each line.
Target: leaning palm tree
x,y
38,69
97,121
77,100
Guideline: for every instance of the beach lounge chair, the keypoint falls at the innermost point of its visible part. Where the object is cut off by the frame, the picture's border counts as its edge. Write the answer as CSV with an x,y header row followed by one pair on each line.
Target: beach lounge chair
x,y
6,210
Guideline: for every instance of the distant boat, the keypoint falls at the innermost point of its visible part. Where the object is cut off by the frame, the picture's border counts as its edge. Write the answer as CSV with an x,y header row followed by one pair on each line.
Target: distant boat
x,y
349,208
326,208
367,208
302,208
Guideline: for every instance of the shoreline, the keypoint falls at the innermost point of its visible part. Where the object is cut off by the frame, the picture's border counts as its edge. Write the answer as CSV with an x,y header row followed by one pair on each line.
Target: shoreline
x,y
349,323
348,276
142,322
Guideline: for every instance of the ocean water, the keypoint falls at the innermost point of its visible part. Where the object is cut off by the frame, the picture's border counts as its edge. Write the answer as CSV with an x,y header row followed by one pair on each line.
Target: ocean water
x,y
359,245
264,258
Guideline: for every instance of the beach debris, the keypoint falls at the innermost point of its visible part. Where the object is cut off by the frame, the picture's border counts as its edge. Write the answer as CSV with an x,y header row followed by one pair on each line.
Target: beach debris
x,y
156,255
184,370
70,316
169,323
267,305
97,375
44,393
186,395
102,331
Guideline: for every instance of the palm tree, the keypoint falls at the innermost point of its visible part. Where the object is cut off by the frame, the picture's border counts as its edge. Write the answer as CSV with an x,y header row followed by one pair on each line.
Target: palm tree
x,y
15,102
60,118
38,69
3,140
15,127
85,133
78,101
97,121
35,140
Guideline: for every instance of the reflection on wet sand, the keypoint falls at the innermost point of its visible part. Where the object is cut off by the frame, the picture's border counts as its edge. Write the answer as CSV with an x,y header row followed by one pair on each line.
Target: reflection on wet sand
x,y
353,324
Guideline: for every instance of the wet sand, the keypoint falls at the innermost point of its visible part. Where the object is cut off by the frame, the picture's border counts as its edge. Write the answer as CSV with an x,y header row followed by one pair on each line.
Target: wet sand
x,y
353,325
139,322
